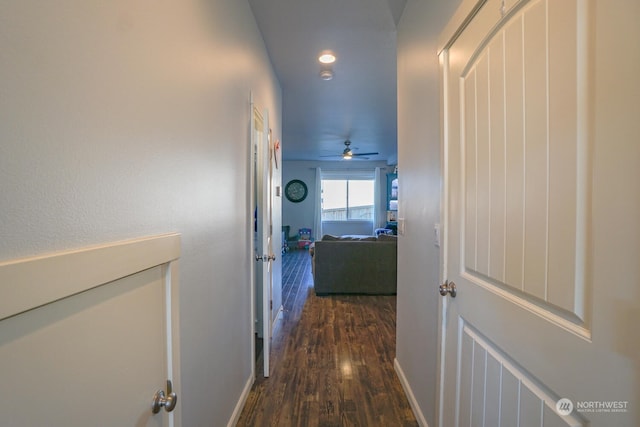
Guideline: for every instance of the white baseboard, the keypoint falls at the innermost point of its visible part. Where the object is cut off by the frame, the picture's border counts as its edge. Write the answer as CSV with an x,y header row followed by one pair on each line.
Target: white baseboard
x,y
247,387
240,405
412,399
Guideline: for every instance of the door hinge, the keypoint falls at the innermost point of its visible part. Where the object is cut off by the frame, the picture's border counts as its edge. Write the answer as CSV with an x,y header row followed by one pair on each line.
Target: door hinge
x,y
271,305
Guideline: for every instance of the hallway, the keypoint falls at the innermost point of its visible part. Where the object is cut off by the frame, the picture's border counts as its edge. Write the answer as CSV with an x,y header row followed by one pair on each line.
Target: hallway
x,y
332,360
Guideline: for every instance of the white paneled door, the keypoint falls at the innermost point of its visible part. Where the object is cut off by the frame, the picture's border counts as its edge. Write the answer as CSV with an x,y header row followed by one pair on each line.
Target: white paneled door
x,y
88,337
534,336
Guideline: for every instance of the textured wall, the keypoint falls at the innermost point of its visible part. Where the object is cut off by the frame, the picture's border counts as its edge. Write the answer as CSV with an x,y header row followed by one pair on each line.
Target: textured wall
x,y
122,119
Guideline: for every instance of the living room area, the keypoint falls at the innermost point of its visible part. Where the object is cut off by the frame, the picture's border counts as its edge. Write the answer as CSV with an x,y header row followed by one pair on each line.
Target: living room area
x,y
330,207
345,215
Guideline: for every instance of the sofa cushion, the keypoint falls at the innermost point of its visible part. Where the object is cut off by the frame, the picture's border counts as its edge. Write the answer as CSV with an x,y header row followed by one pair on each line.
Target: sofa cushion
x,y
349,237
387,238
330,237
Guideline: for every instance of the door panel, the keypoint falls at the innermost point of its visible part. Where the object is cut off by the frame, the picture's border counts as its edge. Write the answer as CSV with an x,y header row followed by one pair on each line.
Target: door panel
x,y
97,355
495,390
521,210
529,324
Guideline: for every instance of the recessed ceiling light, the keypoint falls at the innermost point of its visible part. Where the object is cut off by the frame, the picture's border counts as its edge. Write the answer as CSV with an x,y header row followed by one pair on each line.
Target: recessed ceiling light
x,y
327,58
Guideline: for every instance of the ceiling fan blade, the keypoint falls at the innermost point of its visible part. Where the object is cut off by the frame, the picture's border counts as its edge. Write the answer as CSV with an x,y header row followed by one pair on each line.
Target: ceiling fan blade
x,y
348,154
348,159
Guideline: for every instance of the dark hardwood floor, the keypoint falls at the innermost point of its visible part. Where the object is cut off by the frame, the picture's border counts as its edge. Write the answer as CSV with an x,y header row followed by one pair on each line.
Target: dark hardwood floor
x,y
332,360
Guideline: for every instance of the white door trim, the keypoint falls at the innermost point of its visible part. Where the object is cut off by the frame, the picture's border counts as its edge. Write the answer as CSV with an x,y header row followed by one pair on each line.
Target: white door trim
x,y
70,272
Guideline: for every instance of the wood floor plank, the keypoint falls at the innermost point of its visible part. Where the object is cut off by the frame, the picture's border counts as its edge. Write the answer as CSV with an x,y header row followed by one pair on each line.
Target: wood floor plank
x,y
332,360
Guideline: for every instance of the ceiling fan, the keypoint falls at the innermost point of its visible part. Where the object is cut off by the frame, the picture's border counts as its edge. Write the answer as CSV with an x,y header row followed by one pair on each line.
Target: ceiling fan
x,y
348,154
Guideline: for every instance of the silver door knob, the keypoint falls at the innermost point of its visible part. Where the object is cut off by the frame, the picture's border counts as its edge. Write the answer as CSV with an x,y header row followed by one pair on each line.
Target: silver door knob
x,y
448,288
167,401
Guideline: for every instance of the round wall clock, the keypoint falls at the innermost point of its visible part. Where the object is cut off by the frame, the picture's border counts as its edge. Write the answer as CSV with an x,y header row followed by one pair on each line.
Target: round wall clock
x,y
296,191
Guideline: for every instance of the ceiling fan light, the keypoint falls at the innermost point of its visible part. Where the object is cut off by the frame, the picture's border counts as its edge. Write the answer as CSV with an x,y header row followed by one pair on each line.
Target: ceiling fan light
x,y
347,155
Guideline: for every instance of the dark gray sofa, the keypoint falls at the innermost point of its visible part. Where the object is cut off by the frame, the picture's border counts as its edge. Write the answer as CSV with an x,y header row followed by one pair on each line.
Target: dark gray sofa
x,y
355,265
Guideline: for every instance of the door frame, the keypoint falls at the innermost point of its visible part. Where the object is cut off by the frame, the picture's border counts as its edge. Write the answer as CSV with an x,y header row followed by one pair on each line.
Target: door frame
x,y
444,246
255,215
462,17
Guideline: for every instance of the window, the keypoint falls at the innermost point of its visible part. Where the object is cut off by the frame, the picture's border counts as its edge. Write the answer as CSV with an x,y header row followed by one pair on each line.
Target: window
x,y
346,199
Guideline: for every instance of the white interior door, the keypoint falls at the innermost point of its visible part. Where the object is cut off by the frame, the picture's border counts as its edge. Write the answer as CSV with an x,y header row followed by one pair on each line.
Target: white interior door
x,y
535,319
264,255
87,337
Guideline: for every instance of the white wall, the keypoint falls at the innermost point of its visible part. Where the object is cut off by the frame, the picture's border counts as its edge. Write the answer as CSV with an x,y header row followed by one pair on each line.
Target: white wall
x,y
127,118
298,215
419,191
301,215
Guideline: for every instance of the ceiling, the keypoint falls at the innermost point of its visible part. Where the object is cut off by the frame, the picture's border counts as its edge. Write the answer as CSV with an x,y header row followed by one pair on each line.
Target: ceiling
x,y
359,103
